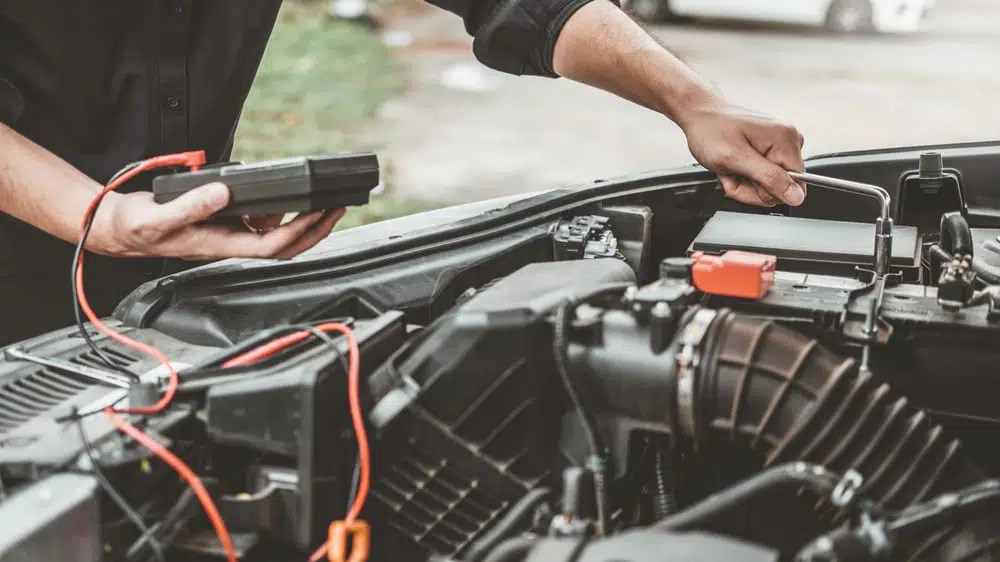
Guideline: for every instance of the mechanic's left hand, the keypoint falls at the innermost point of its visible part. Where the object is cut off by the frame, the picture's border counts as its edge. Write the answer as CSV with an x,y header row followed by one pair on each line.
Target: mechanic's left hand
x,y
752,153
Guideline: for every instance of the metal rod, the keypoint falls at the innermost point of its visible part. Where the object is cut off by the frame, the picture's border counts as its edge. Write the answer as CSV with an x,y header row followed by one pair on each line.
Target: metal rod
x,y
883,224
838,184
18,354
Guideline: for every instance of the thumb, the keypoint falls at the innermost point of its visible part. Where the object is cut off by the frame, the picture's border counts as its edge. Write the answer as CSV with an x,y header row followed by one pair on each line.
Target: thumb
x,y
195,206
770,177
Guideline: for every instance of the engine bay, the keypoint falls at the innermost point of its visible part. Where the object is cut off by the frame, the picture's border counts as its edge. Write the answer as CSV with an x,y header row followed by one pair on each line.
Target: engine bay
x,y
635,371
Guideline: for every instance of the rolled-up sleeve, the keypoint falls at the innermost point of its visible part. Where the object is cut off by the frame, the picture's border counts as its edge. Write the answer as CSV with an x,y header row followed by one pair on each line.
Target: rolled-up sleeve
x,y
11,102
515,36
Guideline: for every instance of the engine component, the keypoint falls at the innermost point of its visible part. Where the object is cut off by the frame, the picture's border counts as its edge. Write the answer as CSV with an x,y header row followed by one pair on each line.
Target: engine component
x,y
843,247
956,284
584,238
956,236
873,539
928,191
492,410
759,385
733,274
767,485
474,428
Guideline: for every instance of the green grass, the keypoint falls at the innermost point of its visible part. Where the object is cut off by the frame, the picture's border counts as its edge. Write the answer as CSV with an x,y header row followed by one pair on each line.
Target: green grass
x,y
321,81
320,78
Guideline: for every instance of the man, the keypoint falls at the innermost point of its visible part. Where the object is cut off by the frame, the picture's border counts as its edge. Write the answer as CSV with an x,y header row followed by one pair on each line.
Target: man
x,y
87,86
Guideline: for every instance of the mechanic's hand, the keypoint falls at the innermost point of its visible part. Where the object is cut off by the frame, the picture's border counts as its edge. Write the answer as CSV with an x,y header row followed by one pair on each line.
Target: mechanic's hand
x,y
749,151
135,225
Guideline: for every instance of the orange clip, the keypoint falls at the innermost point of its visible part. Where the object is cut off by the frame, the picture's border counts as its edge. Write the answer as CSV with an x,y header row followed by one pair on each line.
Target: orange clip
x,y
734,274
360,534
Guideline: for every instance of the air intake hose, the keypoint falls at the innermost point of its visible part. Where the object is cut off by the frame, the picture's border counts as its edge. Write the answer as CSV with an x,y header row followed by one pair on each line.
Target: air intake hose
x,y
754,383
781,394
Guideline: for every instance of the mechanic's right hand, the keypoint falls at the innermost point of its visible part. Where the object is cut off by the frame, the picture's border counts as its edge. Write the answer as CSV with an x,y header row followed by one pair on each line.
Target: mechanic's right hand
x,y
134,225
751,152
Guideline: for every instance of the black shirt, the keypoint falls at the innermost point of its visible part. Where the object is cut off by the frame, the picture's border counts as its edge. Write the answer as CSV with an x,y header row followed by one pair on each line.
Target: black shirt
x,y
101,83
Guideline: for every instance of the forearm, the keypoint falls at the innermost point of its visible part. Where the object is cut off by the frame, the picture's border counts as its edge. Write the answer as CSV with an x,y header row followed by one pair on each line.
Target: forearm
x,y
41,189
602,47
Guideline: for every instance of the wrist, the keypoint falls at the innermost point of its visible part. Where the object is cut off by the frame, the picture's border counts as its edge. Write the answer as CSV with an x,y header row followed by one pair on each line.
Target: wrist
x,y
692,103
104,238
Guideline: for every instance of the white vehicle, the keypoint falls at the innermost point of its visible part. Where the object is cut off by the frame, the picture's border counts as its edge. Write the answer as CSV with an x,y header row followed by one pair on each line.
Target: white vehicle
x,y
842,16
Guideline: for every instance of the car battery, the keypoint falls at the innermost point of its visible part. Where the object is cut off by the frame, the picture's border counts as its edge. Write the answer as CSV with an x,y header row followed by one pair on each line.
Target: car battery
x,y
808,245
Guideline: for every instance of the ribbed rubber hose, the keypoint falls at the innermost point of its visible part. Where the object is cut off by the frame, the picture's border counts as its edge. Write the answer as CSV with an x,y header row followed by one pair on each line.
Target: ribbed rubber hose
x,y
779,393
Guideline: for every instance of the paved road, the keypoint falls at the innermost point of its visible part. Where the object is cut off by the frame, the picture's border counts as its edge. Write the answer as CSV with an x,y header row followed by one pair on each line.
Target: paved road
x,y
447,144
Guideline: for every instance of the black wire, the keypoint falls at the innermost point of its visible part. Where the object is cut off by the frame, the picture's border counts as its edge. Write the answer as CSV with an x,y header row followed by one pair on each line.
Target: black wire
x,y
74,415
116,497
325,338
560,343
597,461
77,253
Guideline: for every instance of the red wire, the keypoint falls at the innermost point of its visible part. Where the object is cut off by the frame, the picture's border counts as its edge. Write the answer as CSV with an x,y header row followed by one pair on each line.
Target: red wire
x,y
354,398
267,349
192,160
186,473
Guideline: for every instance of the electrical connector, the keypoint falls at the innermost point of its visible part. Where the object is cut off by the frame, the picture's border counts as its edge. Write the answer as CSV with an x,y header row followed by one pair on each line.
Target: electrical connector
x,y
734,274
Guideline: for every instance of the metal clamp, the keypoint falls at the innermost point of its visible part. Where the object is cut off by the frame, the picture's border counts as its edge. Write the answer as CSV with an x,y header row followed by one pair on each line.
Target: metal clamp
x,y
844,494
883,224
688,359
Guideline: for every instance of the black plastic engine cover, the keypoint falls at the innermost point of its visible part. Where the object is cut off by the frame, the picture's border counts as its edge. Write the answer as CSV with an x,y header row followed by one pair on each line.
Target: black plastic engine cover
x,y
468,416
808,245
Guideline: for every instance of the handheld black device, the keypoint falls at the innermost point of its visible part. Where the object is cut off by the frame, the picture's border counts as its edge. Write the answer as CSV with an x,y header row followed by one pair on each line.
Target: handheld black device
x,y
290,185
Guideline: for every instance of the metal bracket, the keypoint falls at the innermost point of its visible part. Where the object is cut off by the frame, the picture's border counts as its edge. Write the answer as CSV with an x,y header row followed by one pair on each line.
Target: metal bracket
x,y
96,375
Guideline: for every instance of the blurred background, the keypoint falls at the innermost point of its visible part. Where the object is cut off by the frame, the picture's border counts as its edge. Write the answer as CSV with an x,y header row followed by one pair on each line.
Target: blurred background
x,y
398,77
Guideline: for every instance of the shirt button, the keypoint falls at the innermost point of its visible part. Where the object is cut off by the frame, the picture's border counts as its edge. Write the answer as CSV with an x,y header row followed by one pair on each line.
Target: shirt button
x,y
173,102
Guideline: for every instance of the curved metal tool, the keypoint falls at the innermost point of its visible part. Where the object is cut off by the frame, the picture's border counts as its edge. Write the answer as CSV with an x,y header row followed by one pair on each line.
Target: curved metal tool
x,y
883,224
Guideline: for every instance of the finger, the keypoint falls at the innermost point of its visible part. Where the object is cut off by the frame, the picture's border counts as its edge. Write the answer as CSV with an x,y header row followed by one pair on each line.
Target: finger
x,y
788,155
769,176
747,192
213,241
271,244
316,234
195,206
